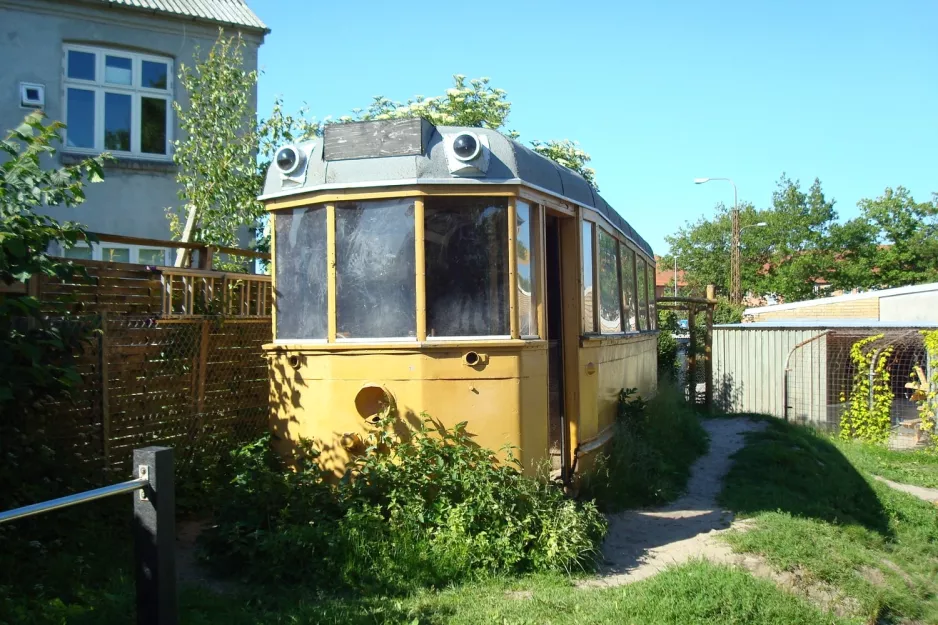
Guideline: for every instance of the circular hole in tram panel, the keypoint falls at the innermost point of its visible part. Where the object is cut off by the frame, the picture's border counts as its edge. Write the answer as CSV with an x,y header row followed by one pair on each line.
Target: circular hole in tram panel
x,y
374,403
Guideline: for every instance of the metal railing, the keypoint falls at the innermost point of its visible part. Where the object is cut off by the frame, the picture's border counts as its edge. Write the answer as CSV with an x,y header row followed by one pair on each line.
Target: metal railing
x,y
154,530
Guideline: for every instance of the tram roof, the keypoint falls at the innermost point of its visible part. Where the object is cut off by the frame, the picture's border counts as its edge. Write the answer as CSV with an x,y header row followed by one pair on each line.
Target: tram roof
x,y
408,152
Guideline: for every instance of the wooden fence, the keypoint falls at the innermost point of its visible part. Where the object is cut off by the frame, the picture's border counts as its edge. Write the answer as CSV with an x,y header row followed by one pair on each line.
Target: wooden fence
x,y
176,358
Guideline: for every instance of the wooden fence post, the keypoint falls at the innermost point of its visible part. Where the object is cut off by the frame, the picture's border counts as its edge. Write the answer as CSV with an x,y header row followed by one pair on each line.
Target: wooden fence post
x,y
154,531
708,350
692,355
105,391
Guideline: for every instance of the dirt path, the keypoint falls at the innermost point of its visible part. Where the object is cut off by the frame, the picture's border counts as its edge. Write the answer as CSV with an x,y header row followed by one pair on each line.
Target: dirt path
x,y
642,543
925,494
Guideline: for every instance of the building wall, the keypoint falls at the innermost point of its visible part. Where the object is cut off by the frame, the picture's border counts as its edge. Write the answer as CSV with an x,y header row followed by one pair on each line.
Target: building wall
x,y
911,307
133,199
853,309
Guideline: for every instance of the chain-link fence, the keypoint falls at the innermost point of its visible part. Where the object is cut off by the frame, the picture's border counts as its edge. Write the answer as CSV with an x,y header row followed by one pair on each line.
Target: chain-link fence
x,y
193,383
840,376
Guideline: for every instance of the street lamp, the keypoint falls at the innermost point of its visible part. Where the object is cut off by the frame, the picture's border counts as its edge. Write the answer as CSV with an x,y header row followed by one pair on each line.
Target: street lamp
x,y
735,295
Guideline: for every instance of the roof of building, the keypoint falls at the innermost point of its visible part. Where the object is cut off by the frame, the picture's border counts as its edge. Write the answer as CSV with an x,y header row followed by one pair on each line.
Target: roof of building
x,y
824,324
903,290
510,163
230,12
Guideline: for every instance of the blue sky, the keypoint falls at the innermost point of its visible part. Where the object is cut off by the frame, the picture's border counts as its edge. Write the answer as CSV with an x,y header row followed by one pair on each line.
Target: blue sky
x,y
657,92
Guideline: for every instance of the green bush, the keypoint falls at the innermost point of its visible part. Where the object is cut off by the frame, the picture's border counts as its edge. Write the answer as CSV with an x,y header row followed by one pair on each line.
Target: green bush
x,y
429,509
651,454
667,344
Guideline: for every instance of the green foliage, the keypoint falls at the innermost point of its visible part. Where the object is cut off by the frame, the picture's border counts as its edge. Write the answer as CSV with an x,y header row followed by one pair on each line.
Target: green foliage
x,y
667,344
868,415
429,508
651,454
918,467
818,513
928,405
727,312
893,243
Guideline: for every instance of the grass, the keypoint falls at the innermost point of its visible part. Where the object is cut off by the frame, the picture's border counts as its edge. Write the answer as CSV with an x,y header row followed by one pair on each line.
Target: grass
x,y
817,511
650,458
696,593
919,467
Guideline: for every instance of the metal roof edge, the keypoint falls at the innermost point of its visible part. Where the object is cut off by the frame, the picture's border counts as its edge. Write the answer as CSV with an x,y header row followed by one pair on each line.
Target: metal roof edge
x,y
902,290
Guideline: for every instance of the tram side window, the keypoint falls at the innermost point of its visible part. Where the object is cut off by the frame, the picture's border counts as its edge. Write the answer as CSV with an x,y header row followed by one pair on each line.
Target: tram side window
x,y
652,310
589,298
526,263
300,249
610,304
466,244
375,269
627,260
642,295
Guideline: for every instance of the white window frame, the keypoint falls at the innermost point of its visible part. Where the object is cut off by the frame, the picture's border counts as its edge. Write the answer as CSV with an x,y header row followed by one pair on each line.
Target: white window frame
x,y
134,90
97,251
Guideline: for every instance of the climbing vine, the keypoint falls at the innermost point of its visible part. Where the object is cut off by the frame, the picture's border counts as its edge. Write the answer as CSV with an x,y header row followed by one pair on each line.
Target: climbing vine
x,y
929,403
867,415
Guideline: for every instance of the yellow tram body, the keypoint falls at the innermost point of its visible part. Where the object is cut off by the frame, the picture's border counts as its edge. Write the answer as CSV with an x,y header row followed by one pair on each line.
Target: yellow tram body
x,y
450,272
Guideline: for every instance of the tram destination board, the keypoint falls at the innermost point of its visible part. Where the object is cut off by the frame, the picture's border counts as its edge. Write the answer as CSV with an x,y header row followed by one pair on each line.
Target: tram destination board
x,y
376,139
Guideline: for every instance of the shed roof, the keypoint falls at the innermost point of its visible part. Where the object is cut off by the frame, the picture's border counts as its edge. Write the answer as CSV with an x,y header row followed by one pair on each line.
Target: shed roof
x,y
511,163
824,324
231,12
821,301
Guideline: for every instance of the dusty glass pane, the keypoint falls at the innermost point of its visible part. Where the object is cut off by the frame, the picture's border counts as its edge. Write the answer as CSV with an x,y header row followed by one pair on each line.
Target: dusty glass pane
x,y
527,298
300,249
154,75
652,294
375,271
467,266
115,254
610,305
151,256
153,125
81,65
627,266
118,70
588,295
117,122
642,295
80,120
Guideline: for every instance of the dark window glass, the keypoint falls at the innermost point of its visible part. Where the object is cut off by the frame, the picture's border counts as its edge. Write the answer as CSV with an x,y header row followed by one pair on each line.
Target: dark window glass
x,y
300,249
81,65
80,120
154,75
527,295
118,70
642,295
375,271
117,122
652,294
467,266
588,294
627,260
153,125
610,305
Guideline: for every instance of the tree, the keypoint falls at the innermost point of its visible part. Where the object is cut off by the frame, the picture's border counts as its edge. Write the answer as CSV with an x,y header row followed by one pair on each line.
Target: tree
x,y
568,154
34,351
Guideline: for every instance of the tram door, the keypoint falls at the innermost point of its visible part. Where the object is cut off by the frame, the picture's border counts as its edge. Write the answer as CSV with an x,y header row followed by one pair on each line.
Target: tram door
x,y
555,365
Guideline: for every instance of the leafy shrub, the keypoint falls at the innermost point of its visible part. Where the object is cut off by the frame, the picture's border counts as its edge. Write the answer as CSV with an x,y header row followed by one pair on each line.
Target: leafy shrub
x,y
867,416
667,344
650,456
429,509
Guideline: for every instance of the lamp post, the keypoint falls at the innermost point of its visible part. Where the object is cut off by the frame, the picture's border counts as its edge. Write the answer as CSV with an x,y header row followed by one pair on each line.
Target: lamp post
x,y
735,295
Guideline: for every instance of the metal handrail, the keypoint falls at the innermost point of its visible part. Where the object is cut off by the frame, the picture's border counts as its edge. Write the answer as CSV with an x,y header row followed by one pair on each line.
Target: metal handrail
x,y
71,500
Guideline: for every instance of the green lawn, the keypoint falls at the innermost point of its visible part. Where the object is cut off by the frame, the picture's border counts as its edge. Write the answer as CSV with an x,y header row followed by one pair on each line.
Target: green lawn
x,y
697,593
819,512
909,467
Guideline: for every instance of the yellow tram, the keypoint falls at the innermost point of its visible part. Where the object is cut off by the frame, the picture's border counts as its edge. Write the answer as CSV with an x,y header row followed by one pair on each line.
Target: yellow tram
x,y
452,272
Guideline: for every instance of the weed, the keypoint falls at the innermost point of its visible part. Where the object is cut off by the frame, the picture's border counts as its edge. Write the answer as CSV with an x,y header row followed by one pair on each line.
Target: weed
x,y
650,457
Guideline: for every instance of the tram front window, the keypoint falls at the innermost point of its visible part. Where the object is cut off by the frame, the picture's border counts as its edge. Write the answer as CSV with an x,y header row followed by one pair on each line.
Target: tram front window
x,y
301,273
467,266
375,269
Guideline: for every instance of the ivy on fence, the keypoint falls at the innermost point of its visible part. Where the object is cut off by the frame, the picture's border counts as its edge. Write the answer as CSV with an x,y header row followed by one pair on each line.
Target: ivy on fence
x,y
929,404
868,415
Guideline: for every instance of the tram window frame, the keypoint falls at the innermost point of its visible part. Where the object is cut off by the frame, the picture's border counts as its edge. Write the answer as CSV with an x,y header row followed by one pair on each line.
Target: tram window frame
x,y
499,290
641,273
613,241
651,270
403,315
533,241
628,287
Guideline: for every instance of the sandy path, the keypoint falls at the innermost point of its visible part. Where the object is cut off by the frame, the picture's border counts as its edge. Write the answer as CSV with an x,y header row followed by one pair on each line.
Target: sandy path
x,y
925,494
642,543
